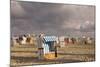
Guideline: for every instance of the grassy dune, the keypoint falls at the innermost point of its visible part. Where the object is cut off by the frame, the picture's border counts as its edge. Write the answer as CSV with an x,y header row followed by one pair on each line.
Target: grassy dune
x,y
70,53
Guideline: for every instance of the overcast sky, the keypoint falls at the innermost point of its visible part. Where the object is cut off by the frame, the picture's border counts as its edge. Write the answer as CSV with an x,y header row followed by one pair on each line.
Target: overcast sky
x,y
52,19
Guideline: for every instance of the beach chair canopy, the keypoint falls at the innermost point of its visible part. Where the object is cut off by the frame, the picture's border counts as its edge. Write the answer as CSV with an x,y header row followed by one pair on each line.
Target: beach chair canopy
x,y
49,38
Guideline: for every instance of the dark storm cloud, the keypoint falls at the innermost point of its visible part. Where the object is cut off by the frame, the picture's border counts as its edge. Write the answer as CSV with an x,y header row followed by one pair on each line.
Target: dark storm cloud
x,y
28,17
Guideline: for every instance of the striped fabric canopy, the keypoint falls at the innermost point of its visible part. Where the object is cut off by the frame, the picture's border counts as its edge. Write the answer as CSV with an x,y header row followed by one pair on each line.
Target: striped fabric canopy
x,y
50,38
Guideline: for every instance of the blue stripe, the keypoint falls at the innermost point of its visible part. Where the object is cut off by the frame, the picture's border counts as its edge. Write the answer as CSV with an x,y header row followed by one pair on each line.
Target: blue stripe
x,y
50,38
